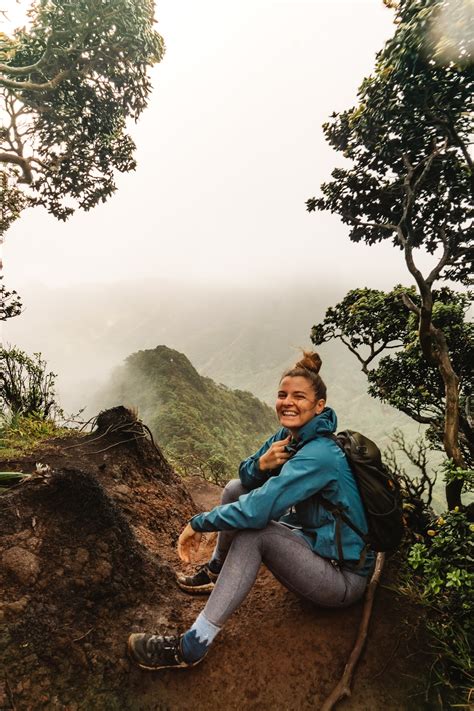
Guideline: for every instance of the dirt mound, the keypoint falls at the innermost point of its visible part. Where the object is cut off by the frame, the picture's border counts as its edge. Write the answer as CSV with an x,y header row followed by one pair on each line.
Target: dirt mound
x,y
79,556
87,550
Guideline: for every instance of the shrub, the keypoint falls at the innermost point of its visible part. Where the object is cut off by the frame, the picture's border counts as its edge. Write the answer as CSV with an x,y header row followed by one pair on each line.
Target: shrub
x,y
19,434
26,388
444,581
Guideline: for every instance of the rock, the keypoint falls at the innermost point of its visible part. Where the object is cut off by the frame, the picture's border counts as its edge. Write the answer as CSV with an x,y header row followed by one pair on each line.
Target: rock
x,y
24,535
3,696
103,571
123,493
21,563
16,607
5,640
79,560
82,556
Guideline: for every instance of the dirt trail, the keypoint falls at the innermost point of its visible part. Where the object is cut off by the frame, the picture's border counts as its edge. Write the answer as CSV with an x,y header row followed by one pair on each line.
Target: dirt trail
x,y
87,552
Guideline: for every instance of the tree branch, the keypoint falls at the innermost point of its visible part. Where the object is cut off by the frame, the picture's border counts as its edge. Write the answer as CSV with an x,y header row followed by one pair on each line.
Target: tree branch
x,y
444,261
406,238
448,125
34,86
428,161
363,362
343,687
30,68
376,225
20,161
411,306
375,351
416,453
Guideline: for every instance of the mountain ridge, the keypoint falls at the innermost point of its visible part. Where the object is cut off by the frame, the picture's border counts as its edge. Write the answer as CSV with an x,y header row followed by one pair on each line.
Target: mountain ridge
x,y
203,427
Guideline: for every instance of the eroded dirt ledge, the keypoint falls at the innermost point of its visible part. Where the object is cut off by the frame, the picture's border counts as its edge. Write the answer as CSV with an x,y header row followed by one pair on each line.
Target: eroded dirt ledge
x,y
87,551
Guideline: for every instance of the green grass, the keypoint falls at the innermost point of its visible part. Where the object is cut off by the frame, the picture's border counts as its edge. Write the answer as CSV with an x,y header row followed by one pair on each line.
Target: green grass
x,y
19,435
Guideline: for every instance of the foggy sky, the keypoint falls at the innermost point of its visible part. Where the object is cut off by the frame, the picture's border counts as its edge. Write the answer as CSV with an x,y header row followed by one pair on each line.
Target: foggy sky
x,y
228,151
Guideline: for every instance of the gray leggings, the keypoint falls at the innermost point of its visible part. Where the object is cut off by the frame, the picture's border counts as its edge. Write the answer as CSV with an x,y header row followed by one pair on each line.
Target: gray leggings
x,y
286,554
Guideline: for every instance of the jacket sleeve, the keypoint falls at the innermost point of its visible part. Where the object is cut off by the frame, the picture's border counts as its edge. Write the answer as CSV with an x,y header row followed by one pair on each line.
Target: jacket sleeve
x,y
301,477
249,472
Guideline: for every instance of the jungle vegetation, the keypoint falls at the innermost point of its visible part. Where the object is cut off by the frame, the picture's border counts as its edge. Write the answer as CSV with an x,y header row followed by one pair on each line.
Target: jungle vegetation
x,y
409,173
203,427
408,178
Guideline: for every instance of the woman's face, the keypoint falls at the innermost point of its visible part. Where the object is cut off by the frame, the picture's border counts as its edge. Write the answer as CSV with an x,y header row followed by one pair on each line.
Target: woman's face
x,y
296,402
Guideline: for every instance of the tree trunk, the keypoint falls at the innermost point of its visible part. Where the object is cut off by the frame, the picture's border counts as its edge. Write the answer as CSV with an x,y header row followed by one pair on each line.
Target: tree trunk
x,y
437,353
451,420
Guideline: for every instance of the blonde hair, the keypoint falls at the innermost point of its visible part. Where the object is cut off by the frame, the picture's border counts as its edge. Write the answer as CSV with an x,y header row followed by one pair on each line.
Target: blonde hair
x,y
308,367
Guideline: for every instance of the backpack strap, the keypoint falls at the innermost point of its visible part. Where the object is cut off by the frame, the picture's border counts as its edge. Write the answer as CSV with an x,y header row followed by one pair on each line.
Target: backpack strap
x,y
338,512
339,516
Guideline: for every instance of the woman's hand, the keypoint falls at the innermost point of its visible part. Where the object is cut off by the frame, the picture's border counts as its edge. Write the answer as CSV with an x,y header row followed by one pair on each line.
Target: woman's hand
x,y
188,544
275,456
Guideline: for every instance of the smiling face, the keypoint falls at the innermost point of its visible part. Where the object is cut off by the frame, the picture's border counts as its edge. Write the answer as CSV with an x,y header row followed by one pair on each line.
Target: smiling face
x,y
297,403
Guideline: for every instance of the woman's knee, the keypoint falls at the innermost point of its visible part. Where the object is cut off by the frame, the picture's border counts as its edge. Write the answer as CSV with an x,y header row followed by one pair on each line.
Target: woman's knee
x,y
248,540
232,490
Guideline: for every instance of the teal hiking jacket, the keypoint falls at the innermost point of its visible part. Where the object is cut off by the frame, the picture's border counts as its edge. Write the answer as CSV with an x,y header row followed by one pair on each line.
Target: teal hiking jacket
x,y
319,465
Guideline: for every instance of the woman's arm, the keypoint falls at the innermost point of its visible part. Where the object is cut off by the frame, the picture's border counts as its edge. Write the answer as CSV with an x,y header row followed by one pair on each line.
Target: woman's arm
x,y
301,477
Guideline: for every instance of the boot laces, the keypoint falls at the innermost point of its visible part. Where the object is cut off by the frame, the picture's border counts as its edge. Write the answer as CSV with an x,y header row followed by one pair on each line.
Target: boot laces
x,y
157,646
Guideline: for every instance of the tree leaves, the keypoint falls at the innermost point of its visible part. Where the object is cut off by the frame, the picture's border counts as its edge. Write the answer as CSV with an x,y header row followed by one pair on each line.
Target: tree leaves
x,y
70,82
369,322
408,142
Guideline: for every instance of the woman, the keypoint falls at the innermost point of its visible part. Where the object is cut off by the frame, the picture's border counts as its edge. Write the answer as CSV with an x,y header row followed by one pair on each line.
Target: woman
x,y
256,525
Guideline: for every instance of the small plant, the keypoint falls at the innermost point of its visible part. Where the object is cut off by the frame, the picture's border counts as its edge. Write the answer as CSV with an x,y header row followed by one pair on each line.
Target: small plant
x,y
454,473
10,303
444,582
8,479
26,387
206,463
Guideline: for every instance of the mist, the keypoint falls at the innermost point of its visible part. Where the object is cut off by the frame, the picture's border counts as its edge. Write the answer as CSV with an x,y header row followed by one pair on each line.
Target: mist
x,y
243,338
228,151
207,247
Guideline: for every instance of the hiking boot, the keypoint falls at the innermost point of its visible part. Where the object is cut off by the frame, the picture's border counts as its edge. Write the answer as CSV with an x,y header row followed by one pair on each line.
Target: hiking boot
x,y
201,583
152,652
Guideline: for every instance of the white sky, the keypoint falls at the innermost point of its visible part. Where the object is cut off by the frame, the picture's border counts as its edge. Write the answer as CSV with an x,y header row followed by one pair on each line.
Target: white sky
x,y
228,151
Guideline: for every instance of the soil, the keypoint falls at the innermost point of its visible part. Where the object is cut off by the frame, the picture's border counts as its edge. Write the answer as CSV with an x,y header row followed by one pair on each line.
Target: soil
x,y
87,554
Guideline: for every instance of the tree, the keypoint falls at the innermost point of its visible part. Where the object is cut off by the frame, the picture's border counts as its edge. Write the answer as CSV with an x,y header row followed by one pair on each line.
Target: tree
x,y
410,177
371,322
26,388
68,83
10,303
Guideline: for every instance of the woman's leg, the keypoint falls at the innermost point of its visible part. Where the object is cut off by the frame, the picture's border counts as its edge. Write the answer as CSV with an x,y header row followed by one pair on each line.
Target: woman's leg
x,y
203,580
231,492
291,560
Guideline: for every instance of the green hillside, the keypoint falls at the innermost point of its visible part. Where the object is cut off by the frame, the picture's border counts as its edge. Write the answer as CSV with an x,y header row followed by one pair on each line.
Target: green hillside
x,y
201,425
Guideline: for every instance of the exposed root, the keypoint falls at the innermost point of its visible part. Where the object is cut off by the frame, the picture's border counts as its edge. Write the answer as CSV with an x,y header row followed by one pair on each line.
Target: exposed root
x,y
343,687
117,420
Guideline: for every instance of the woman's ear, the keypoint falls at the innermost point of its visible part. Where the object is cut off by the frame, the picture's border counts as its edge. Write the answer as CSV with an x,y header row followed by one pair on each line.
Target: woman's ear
x,y
320,405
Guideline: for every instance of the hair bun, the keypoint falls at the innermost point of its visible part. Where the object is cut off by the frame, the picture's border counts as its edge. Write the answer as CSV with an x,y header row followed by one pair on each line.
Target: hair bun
x,y
310,361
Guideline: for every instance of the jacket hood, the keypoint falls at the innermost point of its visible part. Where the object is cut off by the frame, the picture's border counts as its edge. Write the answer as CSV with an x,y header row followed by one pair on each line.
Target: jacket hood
x,y
323,423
